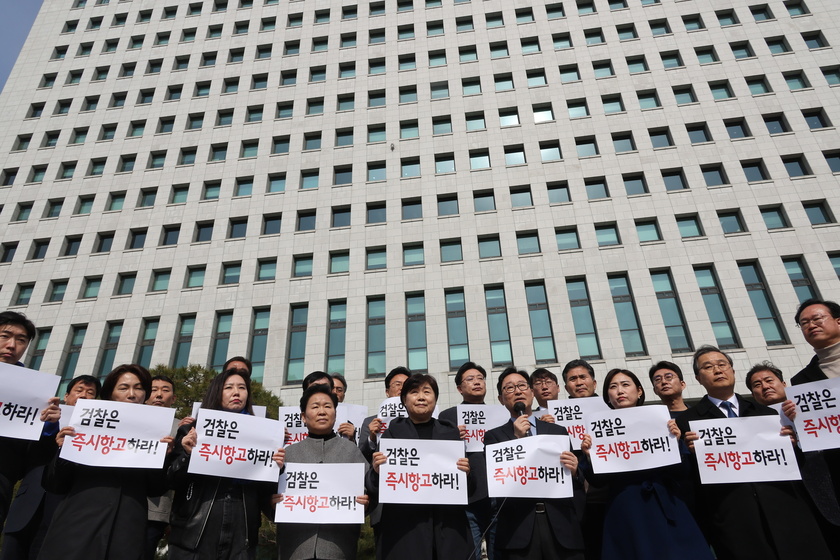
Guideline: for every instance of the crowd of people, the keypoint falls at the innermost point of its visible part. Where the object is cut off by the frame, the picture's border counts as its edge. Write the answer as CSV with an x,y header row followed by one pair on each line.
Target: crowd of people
x,y
65,510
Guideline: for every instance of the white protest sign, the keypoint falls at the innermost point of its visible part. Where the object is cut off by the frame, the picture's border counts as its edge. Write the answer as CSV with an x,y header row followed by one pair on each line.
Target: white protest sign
x,y
631,439
478,418
23,394
743,450
529,468
422,472
118,434
321,493
783,420
236,445
817,418
352,413
66,414
291,418
569,413
389,409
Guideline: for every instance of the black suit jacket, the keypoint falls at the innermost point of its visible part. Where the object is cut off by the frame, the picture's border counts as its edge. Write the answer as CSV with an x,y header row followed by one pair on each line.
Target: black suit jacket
x,y
753,520
517,515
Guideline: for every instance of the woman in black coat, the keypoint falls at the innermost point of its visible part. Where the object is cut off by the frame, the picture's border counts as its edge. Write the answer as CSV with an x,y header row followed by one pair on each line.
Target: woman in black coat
x,y
103,515
212,516
414,531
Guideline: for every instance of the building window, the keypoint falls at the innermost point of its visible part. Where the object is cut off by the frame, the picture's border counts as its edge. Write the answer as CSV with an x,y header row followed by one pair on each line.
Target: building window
x,y
413,254
237,228
497,322
567,238
160,280
109,349
774,217
763,305
266,270
415,310
527,243
302,266
540,319
339,262
375,258
42,339
719,316
125,283
183,341
689,226
74,349
221,339
801,279
672,315
58,289
582,319
627,315
648,230
376,336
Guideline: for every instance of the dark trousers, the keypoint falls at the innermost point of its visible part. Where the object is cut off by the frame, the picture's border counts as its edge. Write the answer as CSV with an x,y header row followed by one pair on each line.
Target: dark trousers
x,y
543,545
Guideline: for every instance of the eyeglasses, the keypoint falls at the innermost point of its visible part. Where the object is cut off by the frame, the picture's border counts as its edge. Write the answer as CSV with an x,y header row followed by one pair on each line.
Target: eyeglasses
x,y
520,387
543,383
816,321
473,379
657,379
722,366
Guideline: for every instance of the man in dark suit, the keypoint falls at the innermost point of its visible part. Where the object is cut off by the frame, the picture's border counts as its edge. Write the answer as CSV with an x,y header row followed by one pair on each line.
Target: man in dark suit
x,y
471,382
33,507
527,528
745,521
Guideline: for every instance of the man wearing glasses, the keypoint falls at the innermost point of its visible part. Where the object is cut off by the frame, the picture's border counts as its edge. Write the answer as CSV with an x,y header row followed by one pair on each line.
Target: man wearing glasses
x,y
820,324
546,388
529,528
746,520
668,385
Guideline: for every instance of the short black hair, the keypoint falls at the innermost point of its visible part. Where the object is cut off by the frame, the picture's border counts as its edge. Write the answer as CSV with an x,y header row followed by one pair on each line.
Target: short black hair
x,y
764,366
112,378
165,379
664,364
465,367
315,376
702,351
19,319
832,306
87,380
418,380
542,373
341,378
580,362
612,373
314,390
213,397
510,370
399,370
242,359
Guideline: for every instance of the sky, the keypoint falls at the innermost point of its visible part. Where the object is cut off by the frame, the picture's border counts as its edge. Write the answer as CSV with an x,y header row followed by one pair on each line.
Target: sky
x,y
16,17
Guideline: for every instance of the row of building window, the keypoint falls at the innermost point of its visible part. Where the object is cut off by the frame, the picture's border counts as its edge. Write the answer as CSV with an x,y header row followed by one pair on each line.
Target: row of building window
x,y
714,174
606,234
692,22
614,103
496,312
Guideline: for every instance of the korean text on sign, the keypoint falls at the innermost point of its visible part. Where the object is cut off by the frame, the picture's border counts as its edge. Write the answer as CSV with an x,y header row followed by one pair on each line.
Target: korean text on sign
x,y
321,493
817,414
236,446
422,472
118,434
631,439
23,394
478,418
743,450
569,413
291,418
529,468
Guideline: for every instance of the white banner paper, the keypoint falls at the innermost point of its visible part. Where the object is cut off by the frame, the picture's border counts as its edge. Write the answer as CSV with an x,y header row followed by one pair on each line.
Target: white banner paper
x,y
291,418
529,468
118,434
353,413
23,394
631,439
321,493
422,472
817,418
743,450
478,418
236,445
569,413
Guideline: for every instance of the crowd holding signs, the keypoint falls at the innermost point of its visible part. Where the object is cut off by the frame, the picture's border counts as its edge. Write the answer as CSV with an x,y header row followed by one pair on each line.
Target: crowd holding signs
x,y
419,471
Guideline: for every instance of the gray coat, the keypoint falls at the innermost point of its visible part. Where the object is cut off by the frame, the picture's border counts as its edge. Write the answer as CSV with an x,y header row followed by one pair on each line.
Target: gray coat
x,y
297,541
